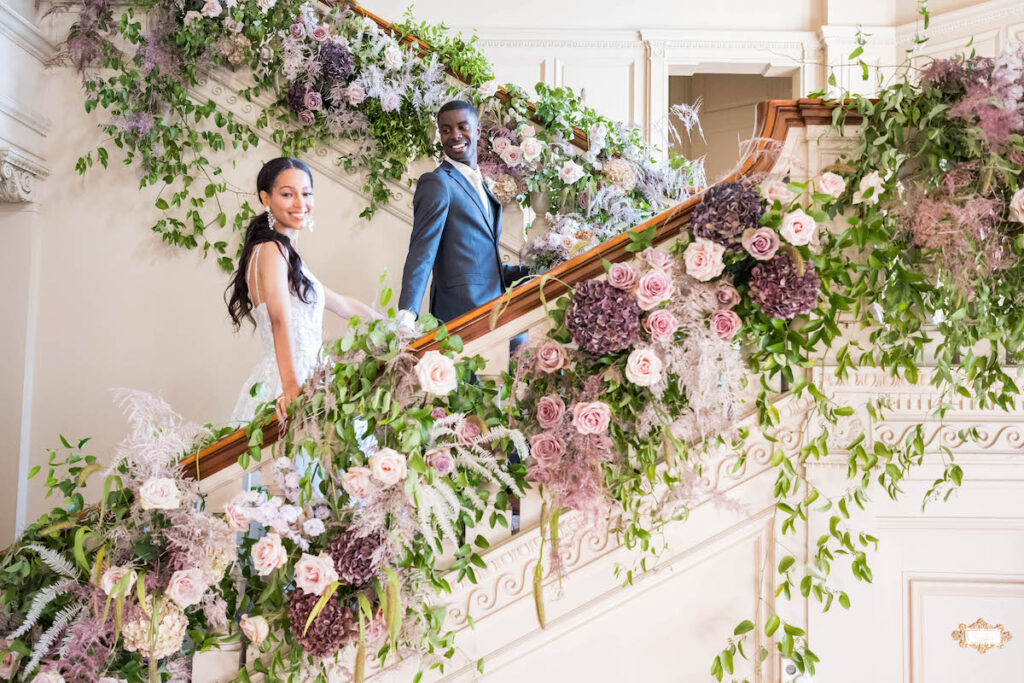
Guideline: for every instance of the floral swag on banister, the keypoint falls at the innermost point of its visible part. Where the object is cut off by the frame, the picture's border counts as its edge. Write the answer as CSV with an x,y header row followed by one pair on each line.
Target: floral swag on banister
x,y
389,460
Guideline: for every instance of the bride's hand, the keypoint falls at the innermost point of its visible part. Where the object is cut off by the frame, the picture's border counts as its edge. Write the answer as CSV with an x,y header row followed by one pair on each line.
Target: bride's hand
x,y
285,399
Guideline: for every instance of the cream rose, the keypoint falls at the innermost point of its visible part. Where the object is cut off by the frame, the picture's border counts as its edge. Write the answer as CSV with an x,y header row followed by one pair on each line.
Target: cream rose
x,y
570,173
269,554
355,93
388,466
186,587
546,449
1017,206
436,373
211,8
551,357
643,367
550,411
314,573
500,144
512,156
622,276
356,482
874,182
653,288
661,325
798,228
114,574
488,89
236,516
532,147
703,259
392,57
255,629
776,189
592,417
159,493
725,324
830,183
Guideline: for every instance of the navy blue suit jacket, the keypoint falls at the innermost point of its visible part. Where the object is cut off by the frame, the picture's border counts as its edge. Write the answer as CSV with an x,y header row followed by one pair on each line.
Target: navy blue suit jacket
x,y
455,239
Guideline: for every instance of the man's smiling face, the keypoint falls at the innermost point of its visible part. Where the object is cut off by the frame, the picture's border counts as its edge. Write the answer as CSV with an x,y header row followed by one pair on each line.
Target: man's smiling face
x,y
459,132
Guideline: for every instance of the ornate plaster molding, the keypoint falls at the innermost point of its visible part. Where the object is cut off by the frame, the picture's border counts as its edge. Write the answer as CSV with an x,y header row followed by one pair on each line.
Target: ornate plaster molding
x,y
32,120
24,33
18,176
963,22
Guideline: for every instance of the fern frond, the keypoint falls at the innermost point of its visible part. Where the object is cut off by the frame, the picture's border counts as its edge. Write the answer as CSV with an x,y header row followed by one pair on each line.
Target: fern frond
x,y
45,642
55,561
39,603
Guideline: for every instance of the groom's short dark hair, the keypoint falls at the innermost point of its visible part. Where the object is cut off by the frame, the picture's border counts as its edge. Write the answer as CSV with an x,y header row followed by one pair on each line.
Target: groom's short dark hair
x,y
457,104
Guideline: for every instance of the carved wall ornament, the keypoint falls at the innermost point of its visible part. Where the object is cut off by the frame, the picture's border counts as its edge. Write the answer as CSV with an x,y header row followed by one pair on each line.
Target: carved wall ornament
x,y
982,636
18,176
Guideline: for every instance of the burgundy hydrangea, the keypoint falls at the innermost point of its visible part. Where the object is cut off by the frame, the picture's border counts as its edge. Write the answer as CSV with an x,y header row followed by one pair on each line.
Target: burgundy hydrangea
x,y
336,63
780,291
297,96
357,559
726,211
332,629
601,318
947,75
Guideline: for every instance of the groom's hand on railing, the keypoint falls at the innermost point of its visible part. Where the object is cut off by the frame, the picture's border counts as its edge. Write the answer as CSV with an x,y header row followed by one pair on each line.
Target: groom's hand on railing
x,y
406,322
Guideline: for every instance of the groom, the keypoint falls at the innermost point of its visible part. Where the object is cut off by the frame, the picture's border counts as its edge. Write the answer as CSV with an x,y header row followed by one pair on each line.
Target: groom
x,y
455,228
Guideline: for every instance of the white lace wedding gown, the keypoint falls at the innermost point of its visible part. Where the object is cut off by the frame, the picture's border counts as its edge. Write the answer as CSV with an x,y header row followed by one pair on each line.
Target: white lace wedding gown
x,y
306,328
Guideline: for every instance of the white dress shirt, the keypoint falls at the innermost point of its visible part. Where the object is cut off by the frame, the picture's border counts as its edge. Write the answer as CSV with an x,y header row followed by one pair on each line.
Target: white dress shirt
x,y
475,178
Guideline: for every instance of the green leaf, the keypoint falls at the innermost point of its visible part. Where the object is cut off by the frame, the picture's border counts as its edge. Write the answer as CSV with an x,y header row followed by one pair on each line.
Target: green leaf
x,y
319,606
786,563
772,625
745,626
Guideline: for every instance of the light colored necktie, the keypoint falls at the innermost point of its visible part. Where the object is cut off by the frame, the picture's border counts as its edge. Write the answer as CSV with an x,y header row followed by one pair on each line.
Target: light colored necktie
x,y
477,179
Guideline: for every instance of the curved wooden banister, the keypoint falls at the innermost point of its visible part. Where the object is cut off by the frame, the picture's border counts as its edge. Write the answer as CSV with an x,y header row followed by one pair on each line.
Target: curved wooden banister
x,y
777,117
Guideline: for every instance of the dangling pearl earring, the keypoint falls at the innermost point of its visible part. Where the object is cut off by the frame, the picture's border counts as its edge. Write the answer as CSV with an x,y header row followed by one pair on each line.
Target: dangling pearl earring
x,y
310,223
270,218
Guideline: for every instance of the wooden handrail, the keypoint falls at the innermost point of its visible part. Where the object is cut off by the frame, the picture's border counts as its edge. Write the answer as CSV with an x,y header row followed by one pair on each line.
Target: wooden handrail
x,y
777,117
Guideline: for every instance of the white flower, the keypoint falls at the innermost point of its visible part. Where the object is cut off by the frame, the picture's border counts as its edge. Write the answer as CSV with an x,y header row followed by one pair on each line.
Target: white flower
x,y
292,480
115,574
527,131
355,93
1017,206
388,466
570,173
190,16
532,147
314,573
370,26
48,676
873,181
159,493
265,5
831,184
512,156
798,228
290,513
186,587
488,89
105,679
313,527
703,259
392,57
211,8
643,367
436,373
255,629
500,144
268,554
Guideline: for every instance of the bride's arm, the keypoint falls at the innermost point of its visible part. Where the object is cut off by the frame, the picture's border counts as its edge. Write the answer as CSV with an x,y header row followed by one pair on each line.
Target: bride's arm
x,y
273,273
346,306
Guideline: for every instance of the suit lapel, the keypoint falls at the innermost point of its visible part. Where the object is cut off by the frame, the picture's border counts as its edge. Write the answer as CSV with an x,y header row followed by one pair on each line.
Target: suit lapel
x,y
495,212
469,189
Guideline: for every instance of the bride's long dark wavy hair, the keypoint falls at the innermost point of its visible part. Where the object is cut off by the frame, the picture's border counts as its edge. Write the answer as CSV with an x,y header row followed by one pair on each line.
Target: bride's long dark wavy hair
x,y
259,231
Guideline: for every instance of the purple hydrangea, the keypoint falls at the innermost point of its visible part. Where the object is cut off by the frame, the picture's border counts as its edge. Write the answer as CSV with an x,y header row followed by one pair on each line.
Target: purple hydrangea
x,y
601,318
357,559
334,628
780,291
297,96
336,62
728,209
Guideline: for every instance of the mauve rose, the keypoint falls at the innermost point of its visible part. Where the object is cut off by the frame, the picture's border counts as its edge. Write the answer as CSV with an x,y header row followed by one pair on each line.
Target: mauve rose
x,y
390,101
1017,206
186,587
532,147
268,554
233,25
355,94
388,466
313,100
570,173
761,243
726,295
469,432
306,117
798,228
622,276
551,357
703,259
314,573
830,183
643,367
488,89
441,460
874,182
392,57
592,417
438,412
9,662
776,189
512,156
500,144
653,288
266,53
550,411
436,373
356,482
114,574
656,258
321,34
661,325
298,30
255,629
546,449
725,324
159,493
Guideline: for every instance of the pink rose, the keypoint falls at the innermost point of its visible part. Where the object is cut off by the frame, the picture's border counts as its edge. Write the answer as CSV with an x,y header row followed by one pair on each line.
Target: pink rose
x,y
798,228
298,30
313,100
438,413
314,573
703,259
355,94
356,482
388,466
321,34
551,357
441,460
255,629
512,156
570,173
656,258
643,367
488,89
546,449
1017,206
234,26
392,57
653,288
500,144
48,676
622,276
115,574
469,432
9,662
831,184
661,325
761,243
306,117
436,373
532,148
160,493
873,182
390,101
592,417
725,324
776,189
550,411
236,517
186,587
726,295
269,554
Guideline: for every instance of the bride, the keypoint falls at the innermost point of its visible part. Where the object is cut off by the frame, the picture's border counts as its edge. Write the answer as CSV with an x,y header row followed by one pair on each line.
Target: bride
x,y
275,292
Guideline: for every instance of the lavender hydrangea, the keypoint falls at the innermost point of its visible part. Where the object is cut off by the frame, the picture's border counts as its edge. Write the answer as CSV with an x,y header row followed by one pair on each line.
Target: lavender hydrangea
x,y
780,291
297,96
726,211
601,318
337,63
331,630
357,559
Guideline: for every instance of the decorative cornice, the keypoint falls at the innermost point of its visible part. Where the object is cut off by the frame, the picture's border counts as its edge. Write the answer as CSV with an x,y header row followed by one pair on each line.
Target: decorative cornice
x,y
18,176
745,41
963,22
24,33
32,120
